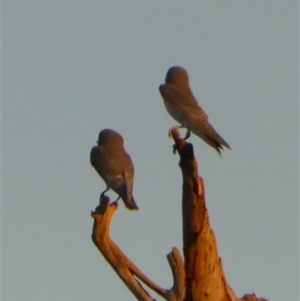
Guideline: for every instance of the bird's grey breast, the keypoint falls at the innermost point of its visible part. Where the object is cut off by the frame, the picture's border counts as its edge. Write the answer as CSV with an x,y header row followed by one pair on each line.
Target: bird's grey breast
x,y
175,113
173,101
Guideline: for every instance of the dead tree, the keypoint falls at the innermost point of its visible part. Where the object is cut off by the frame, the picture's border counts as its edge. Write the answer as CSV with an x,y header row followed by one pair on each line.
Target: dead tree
x,y
200,276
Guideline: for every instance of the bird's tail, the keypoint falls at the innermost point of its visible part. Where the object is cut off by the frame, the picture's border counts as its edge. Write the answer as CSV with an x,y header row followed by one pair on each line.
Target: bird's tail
x,y
212,138
130,204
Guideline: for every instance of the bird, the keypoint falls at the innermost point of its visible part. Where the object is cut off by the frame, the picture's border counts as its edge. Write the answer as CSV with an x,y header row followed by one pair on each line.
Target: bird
x,y
114,166
182,105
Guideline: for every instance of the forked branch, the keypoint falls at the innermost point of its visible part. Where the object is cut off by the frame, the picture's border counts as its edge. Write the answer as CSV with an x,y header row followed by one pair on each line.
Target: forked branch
x,y
124,267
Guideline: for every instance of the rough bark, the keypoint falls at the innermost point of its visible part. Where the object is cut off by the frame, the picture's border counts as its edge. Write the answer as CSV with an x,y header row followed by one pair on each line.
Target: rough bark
x,y
205,277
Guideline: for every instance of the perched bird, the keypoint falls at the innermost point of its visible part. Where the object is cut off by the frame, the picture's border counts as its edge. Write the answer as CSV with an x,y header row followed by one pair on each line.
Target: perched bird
x,y
114,166
184,108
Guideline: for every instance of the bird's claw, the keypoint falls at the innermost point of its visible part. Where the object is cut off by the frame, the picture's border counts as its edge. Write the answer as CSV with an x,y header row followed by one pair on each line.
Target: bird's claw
x,y
187,134
103,203
174,148
103,197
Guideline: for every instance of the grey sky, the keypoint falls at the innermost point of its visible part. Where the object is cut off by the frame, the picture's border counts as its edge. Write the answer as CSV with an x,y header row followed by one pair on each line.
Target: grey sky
x,y
72,68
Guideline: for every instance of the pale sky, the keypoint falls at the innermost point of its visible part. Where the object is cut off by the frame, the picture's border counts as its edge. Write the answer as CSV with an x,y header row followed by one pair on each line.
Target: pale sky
x,y
73,68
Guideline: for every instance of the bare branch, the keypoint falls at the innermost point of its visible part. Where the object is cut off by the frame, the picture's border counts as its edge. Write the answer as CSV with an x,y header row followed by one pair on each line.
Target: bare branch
x,y
122,265
176,263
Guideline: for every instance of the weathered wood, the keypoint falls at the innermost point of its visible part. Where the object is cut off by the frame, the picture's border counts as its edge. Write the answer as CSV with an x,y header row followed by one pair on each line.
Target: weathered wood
x,y
177,292
252,297
205,277
124,267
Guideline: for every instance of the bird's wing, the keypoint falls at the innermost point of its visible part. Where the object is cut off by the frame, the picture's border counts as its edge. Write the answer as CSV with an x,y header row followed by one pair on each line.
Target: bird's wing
x,y
182,101
206,131
129,184
129,201
106,167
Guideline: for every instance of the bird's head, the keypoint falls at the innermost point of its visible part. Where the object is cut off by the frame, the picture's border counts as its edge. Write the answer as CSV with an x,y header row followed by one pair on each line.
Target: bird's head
x,y
108,136
177,76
